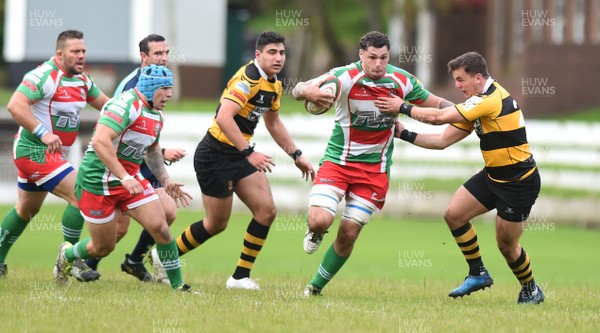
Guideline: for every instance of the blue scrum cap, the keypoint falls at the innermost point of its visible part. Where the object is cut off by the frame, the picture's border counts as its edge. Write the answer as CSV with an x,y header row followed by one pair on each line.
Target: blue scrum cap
x,y
152,78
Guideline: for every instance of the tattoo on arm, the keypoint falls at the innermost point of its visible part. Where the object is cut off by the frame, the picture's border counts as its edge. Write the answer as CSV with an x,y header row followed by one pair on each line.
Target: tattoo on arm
x,y
298,90
444,104
155,162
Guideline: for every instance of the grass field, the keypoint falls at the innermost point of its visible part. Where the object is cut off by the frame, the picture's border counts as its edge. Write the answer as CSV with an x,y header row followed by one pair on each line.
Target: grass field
x,y
396,281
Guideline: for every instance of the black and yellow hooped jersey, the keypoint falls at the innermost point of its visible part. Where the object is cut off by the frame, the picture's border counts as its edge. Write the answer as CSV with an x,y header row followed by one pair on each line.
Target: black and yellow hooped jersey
x,y
499,124
255,93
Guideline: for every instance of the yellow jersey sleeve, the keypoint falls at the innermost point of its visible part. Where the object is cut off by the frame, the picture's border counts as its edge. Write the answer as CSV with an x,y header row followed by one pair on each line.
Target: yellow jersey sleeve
x,y
238,90
478,106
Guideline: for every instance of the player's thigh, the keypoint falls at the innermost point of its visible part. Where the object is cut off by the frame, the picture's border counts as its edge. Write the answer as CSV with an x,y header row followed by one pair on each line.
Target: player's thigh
x,y
508,232
472,199
218,212
103,235
66,188
29,203
255,192
151,216
168,204
122,220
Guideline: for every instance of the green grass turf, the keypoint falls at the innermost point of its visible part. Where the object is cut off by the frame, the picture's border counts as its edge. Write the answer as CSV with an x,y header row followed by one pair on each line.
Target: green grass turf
x,y
396,281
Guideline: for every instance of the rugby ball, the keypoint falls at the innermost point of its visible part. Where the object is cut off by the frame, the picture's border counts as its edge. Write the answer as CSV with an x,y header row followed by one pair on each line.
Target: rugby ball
x,y
333,87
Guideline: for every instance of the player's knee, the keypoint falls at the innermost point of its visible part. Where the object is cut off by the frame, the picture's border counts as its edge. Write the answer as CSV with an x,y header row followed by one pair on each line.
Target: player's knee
x,y
171,215
160,232
451,218
27,214
319,218
266,214
121,232
357,212
102,250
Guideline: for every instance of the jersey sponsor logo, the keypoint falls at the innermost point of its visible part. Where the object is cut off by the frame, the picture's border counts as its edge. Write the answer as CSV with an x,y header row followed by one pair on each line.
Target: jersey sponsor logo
x,y
156,129
66,119
29,85
141,126
61,94
237,95
256,113
362,92
260,99
114,117
35,79
243,87
373,119
133,150
472,102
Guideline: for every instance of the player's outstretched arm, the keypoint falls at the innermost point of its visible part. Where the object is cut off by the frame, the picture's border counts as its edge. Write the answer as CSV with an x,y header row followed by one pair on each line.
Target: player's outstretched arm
x,y
155,162
429,115
439,141
282,137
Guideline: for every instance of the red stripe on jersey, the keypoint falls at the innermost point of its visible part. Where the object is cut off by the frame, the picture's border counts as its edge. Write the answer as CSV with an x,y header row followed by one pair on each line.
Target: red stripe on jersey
x,y
130,167
69,94
365,93
54,74
369,137
353,72
401,77
146,126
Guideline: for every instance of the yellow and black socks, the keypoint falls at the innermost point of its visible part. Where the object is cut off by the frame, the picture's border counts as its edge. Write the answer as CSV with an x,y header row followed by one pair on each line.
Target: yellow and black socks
x,y
72,224
522,270
331,264
254,239
12,227
193,236
466,238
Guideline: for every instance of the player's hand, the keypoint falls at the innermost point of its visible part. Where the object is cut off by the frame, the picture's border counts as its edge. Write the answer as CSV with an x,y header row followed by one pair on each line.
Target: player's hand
x,y
399,128
307,170
132,186
313,94
389,104
260,161
174,154
52,141
175,191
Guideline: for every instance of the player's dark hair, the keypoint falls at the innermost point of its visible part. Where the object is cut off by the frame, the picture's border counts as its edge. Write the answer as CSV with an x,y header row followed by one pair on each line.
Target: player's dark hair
x,y
375,39
144,48
472,62
268,37
67,34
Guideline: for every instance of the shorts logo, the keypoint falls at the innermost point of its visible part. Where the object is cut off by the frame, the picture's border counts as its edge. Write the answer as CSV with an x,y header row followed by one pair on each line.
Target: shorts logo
x,y
230,185
325,180
96,213
509,210
35,175
375,198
